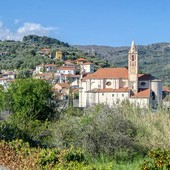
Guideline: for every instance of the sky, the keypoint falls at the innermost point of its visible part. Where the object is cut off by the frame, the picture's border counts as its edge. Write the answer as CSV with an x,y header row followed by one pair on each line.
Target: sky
x,y
87,22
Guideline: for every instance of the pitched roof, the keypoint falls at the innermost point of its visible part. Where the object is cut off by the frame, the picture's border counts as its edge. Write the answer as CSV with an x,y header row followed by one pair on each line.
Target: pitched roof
x,y
64,85
81,59
144,76
166,89
50,65
142,94
108,73
87,63
69,61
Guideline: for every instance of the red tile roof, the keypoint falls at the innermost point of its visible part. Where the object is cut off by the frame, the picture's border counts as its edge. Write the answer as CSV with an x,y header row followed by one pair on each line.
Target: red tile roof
x,y
64,85
69,61
81,59
108,73
142,94
166,89
50,65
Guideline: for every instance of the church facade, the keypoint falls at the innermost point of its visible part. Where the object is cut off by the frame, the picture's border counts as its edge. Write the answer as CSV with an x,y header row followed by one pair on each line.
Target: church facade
x,y
115,85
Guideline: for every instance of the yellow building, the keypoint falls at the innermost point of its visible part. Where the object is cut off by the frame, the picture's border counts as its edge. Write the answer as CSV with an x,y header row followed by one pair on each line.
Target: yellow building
x,y
59,55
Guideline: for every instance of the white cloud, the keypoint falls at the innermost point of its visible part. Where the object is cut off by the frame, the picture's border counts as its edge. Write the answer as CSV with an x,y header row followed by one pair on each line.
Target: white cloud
x,y
26,29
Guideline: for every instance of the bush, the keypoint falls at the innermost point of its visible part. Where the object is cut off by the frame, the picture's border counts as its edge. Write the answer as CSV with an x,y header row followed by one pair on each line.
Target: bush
x,y
158,159
99,130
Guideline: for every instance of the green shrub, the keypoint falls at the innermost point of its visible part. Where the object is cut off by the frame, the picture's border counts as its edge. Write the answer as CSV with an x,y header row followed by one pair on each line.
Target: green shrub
x,y
158,159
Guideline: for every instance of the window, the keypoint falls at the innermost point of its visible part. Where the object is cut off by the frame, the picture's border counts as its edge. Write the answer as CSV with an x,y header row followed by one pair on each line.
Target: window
x,y
108,83
102,94
143,83
122,95
132,57
112,95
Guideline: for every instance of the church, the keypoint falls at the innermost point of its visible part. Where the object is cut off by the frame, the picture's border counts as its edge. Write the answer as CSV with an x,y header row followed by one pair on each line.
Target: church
x,y
114,85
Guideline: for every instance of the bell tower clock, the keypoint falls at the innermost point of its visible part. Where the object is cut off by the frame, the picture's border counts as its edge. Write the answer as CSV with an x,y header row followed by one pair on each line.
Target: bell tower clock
x,y
133,68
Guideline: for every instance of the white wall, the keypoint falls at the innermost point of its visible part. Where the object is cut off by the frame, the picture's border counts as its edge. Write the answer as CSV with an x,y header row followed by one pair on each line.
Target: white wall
x,y
88,68
66,71
141,102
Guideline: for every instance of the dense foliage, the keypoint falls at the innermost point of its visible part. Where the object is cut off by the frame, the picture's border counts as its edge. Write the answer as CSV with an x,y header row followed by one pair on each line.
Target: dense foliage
x,y
32,97
26,54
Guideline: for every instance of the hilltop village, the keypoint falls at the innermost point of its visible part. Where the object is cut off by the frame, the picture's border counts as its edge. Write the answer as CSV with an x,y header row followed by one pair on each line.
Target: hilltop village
x,y
78,79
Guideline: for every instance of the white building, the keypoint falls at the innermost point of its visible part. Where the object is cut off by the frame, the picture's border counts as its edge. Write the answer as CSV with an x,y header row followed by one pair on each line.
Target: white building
x,y
114,85
87,67
66,70
45,68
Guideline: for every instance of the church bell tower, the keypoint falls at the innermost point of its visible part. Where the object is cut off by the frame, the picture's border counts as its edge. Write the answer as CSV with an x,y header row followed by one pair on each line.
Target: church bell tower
x,y
133,69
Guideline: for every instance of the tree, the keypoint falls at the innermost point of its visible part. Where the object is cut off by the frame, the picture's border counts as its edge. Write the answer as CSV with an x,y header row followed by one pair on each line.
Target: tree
x,y
32,97
24,74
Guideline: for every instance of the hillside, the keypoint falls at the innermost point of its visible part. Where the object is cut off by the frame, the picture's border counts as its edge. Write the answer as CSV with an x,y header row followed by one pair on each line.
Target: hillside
x,y
153,58
25,54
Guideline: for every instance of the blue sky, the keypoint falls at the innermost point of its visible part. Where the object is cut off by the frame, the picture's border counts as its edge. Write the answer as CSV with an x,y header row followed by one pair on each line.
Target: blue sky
x,y
100,22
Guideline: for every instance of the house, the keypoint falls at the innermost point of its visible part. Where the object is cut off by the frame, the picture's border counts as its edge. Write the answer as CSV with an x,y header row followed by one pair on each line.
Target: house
x,y
45,76
87,67
45,52
69,63
59,55
66,70
9,75
61,90
72,79
114,85
4,53
81,60
45,68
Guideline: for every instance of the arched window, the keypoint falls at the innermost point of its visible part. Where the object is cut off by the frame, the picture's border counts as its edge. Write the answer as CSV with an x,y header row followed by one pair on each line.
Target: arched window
x,y
133,58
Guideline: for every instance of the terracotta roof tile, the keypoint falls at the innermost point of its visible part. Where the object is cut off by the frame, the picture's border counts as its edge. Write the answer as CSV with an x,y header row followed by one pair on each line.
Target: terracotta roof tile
x,y
81,59
64,85
166,89
142,94
108,73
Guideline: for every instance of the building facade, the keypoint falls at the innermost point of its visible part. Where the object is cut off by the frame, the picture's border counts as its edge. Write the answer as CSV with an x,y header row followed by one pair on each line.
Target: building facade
x,y
115,85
